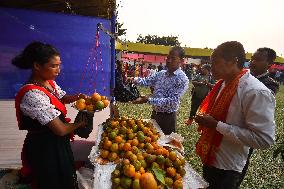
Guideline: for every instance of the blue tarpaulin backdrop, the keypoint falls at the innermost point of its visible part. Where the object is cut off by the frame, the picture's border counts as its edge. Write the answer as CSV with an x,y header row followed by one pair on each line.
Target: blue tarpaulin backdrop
x,y
73,36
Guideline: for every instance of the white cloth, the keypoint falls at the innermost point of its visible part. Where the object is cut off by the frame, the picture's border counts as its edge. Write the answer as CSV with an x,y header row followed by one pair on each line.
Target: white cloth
x,y
249,123
36,105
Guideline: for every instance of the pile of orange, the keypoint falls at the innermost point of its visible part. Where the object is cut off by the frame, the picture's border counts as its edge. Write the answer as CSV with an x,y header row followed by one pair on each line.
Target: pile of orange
x,y
92,103
133,143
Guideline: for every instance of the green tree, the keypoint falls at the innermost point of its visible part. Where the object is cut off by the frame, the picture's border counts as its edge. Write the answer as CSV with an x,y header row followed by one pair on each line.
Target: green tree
x,y
120,30
157,40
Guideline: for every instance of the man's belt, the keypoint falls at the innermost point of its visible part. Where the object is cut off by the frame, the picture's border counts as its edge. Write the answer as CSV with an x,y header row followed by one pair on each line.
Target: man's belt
x,y
164,113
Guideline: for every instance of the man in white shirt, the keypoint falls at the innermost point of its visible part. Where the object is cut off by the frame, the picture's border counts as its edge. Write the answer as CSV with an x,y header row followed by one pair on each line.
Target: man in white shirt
x,y
237,114
260,62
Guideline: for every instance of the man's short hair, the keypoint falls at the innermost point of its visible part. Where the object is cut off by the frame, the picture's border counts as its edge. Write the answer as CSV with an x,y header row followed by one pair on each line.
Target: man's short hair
x,y
206,66
230,50
180,51
271,54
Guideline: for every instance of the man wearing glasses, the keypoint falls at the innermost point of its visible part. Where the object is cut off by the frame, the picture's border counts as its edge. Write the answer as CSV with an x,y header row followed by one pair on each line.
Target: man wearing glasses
x,y
260,62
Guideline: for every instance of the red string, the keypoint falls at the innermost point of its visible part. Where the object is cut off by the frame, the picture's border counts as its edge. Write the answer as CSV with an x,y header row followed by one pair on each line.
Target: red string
x,y
85,72
96,59
91,80
96,64
102,67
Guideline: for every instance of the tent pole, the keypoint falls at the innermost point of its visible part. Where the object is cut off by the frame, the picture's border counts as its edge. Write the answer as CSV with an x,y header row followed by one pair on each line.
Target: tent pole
x,y
113,54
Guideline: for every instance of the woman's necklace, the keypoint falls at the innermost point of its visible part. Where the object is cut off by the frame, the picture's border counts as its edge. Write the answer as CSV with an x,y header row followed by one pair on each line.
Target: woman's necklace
x,y
52,91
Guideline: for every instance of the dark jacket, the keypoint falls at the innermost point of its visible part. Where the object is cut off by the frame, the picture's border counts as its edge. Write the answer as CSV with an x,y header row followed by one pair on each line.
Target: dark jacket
x,y
269,83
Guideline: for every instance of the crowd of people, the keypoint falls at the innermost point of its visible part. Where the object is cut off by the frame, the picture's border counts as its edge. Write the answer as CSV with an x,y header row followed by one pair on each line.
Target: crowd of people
x,y
233,107
136,69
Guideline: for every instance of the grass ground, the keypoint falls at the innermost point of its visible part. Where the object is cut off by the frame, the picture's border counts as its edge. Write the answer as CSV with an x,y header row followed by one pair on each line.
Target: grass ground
x,y
264,171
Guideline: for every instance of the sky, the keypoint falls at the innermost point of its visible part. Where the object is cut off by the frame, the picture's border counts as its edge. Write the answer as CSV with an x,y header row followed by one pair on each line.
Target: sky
x,y
207,23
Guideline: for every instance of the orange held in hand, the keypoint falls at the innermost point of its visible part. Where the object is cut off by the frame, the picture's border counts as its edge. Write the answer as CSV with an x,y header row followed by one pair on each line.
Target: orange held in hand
x,y
92,103
103,98
90,107
99,105
106,103
96,97
80,104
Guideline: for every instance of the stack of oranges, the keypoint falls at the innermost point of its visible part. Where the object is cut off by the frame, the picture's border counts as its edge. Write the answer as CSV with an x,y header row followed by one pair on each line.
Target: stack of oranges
x,y
92,103
133,145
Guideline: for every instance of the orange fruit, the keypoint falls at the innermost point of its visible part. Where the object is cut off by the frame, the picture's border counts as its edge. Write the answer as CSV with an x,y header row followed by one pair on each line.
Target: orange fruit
x,y
154,138
141,145
131,122
140,156
107,144
80,104
104,153
114,123
149,146
171,172
169,182
142,170
150,133
145,130
129,131
114,147
178,184
135,150
90,107
133,157
173,156
118,139
131,136
112,135
135,142
165,152
155,145
147,139
104,135
120,146
96,97
159,151
129,170
123,118
178,177
128,154
99,105
103,98
126,162
123,123
137,175
150,150
88,100
139,122
127,147
144,154
106,103
81,100
182,160
147,181
112,156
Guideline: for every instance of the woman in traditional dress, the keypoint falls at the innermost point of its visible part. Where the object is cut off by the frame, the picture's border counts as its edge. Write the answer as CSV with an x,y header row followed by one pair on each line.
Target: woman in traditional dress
x,y
46,156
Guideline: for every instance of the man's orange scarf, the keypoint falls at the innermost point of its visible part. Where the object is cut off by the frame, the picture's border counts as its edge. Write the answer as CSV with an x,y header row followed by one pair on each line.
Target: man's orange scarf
x,y
210,139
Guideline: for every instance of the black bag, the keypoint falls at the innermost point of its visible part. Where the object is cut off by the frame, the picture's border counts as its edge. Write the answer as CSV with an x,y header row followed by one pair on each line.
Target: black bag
x,y
124,92
128,92
84,132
